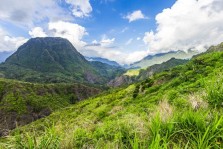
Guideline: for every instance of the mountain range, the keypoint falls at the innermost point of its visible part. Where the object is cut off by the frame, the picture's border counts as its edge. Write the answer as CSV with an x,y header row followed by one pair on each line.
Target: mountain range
x,y
162,57
103,60
125,79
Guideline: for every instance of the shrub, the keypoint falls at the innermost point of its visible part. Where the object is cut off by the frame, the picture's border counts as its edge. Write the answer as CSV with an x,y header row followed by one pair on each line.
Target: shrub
x,y
214,91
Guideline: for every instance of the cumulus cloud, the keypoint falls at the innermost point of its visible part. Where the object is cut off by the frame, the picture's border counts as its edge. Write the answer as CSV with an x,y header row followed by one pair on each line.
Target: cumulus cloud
x,y
134,56
106,48
113,53
71,31
80,8
136,15
9,43
105,42
37,32
29,12
188,24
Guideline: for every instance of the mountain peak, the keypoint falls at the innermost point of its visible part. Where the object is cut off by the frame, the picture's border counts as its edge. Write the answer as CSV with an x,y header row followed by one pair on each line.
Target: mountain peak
x,y
48,54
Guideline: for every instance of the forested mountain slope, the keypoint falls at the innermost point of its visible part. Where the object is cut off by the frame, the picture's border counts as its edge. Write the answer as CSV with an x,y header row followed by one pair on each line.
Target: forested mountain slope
x,y
22,103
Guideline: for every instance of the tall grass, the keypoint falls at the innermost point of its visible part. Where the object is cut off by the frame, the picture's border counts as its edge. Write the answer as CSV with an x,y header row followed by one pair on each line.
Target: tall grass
x,y
214,90
188,130
49,140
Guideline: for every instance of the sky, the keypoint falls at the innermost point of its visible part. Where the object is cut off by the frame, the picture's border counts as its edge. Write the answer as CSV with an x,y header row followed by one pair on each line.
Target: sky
x,y
120,30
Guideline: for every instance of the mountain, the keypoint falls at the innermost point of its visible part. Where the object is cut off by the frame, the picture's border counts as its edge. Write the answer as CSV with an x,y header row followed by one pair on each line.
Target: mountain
x,y
106,70
4,56
162,57
178,108
49,60
103,60
173,62
142,74
22,103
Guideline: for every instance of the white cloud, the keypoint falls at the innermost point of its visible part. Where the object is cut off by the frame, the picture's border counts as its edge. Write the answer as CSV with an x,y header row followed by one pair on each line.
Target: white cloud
x,y
136,15
37,32
114,53
94,42
106,48
71,31
134,56
9,43
29,12
188,24
138,38
106,41
80,8
128,42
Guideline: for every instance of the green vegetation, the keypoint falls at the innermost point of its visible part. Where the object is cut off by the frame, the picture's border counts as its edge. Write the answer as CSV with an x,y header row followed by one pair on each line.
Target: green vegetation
x,y
177,108
54,60
137,75
22,103
145,73
107,71
132,72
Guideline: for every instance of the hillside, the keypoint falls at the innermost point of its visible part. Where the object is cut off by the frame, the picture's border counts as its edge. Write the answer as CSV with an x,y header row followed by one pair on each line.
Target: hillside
x,y
178,108
162,57
145,73
136,75
50,60
22,103
106,70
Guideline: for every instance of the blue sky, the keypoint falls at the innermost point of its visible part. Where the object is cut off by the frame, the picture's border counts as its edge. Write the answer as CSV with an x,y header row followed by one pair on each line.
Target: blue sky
x,y
121,30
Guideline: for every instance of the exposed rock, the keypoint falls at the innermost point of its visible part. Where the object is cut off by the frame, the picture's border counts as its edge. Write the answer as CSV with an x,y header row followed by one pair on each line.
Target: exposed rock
x,y
122,80
10,120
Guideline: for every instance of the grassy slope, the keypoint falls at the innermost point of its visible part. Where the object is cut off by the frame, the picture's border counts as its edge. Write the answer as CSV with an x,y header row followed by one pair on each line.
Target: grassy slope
x,y
132,72
180,108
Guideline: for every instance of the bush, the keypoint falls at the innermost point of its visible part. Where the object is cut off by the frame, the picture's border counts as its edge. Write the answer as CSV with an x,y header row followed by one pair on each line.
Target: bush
x,y
214,91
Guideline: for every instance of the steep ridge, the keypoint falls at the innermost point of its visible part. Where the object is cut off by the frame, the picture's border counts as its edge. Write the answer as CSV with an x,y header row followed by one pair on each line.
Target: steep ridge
x,y
178,108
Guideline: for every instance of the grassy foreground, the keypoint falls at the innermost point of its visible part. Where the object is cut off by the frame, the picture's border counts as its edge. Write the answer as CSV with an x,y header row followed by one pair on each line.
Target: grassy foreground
x,y
180,108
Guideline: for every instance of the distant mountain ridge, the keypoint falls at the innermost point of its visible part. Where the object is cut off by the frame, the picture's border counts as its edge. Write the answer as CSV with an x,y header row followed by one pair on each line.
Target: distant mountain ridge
x,y
162,57
103,60
145,73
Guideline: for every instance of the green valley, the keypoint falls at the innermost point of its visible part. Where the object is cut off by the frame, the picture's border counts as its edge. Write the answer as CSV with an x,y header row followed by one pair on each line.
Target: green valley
x,y
111,74
176,108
